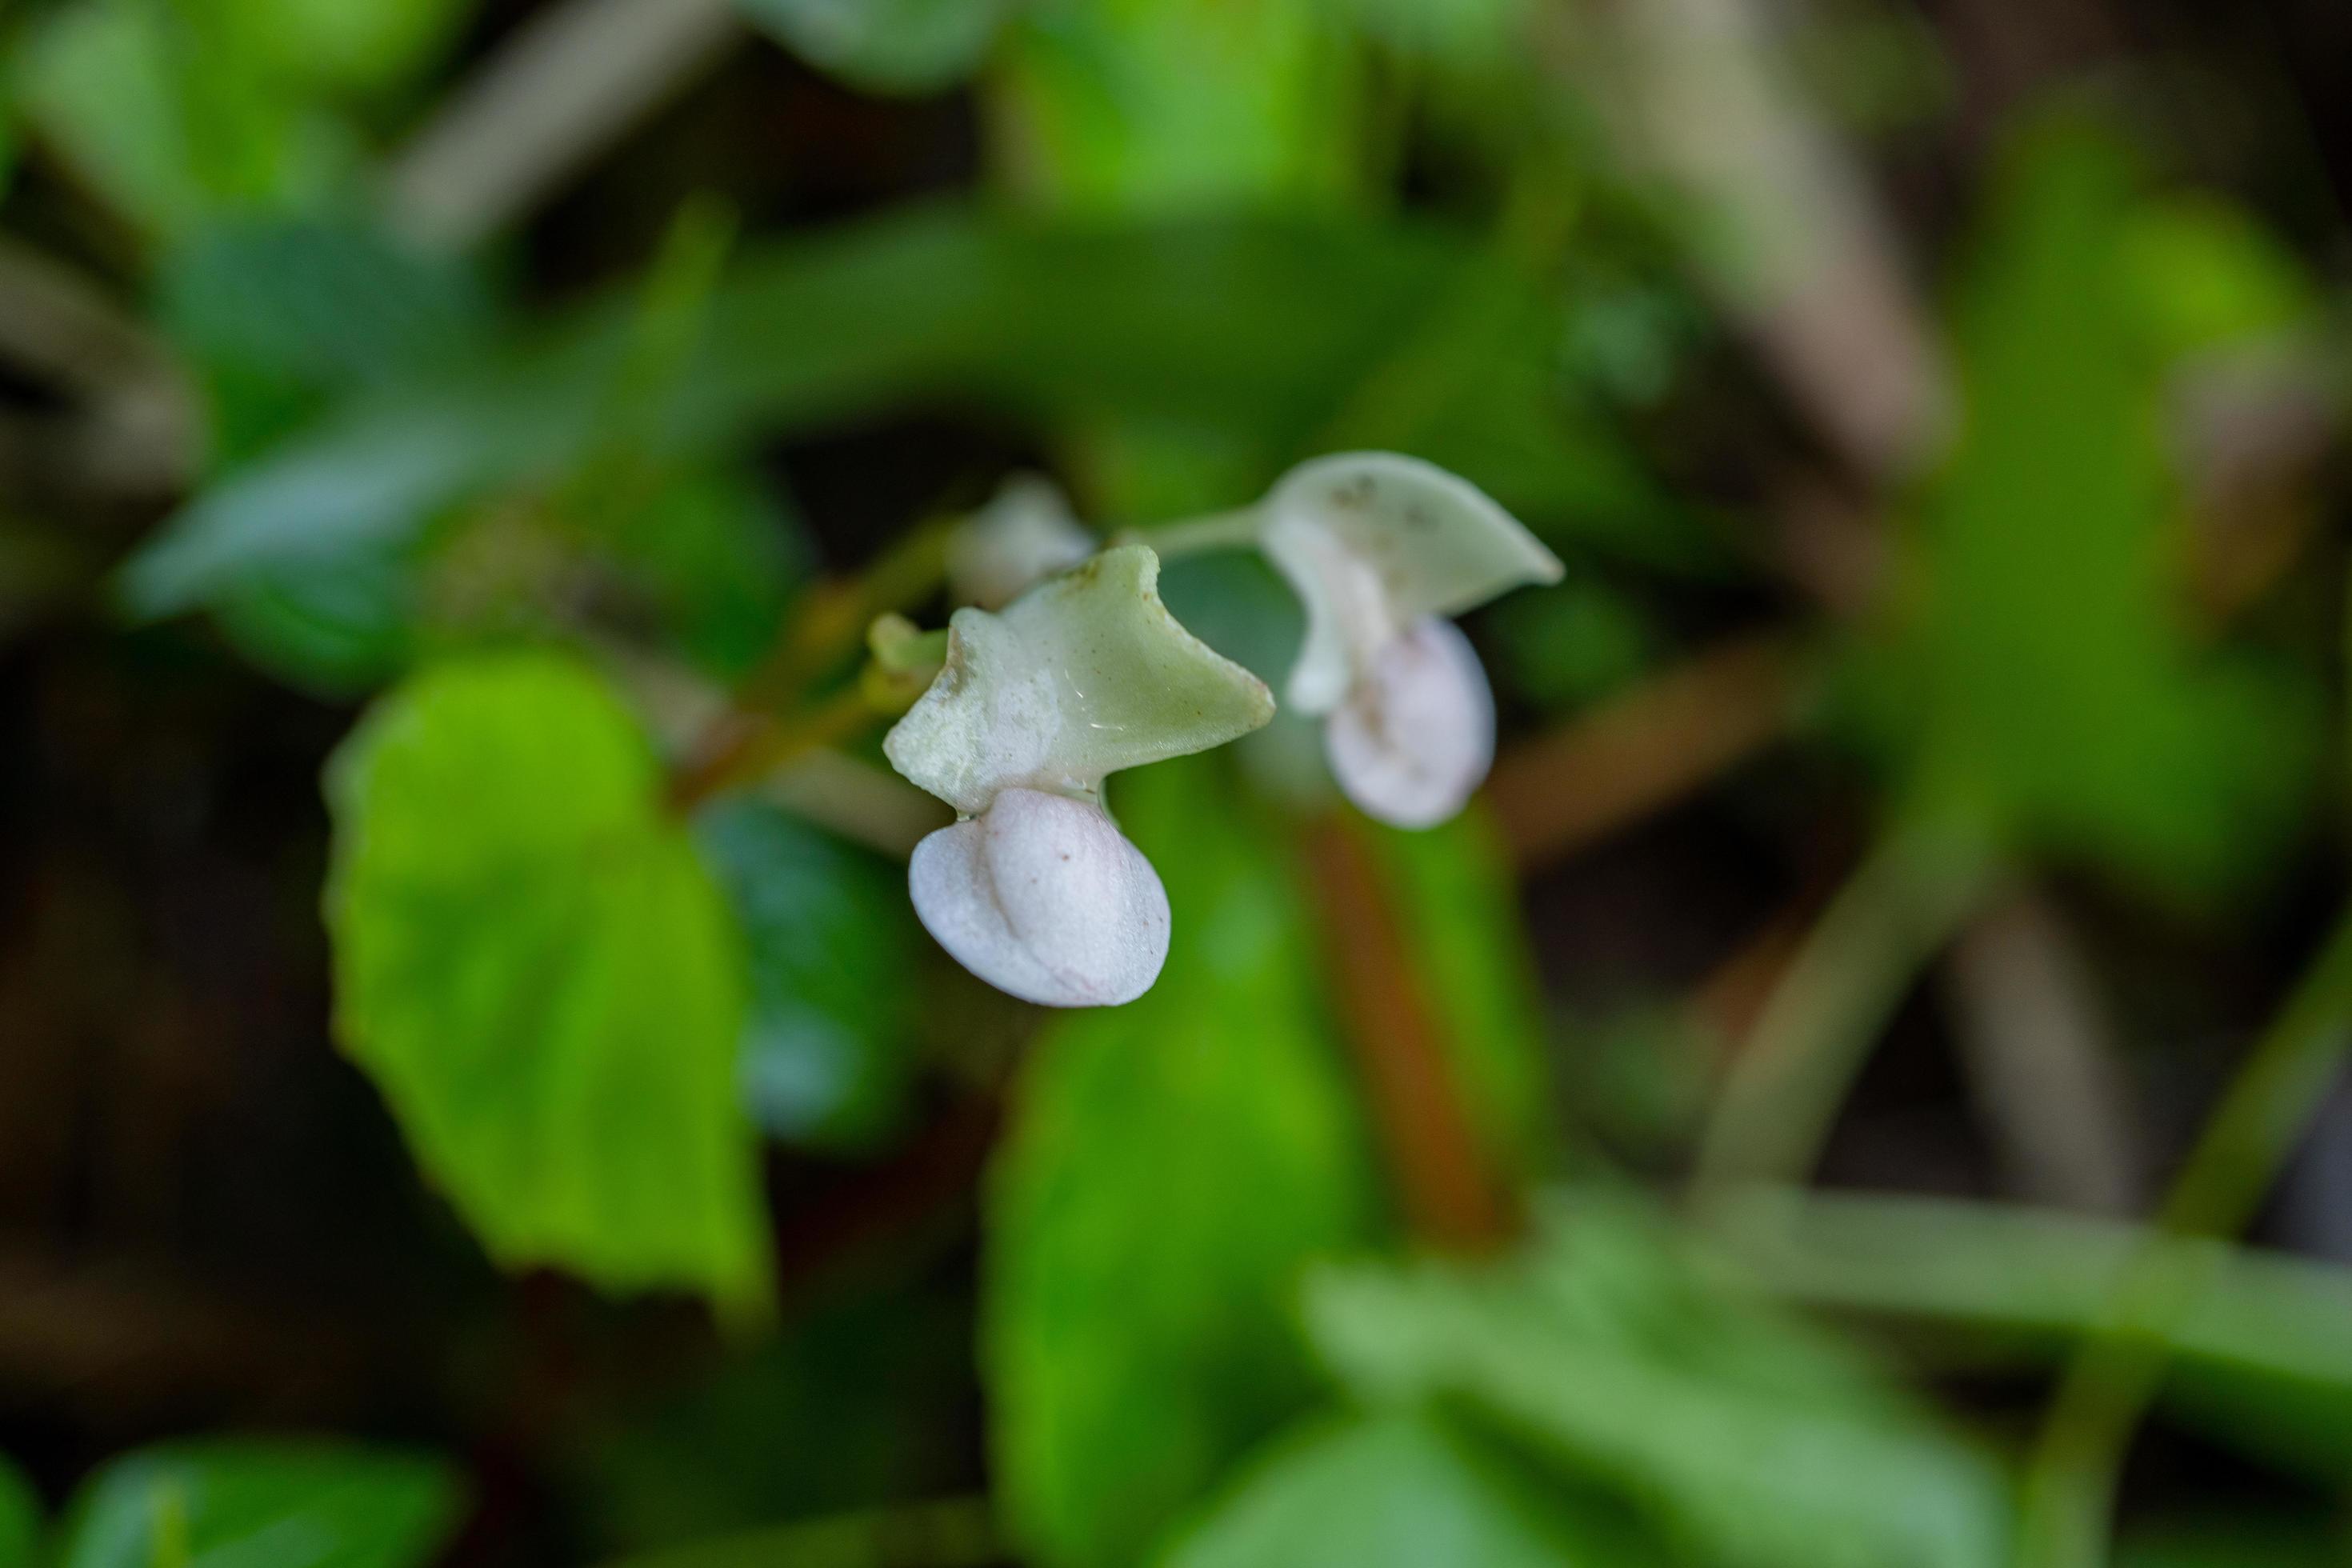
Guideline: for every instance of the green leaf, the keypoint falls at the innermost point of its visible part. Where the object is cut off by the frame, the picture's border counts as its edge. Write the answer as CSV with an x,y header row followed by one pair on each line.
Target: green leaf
x,y
276,312
20,1518
1396,1491
1743,1438
1084,675
1257,329
2060,688
1171,1167
536,969
262,1505
1156,106
886,45
829,1045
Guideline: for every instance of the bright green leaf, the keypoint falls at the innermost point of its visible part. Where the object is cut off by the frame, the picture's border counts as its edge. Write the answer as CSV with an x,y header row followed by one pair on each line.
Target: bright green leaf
x,y
1173,1166
1750,1441
889,45
828,1050
1158,105
1396,1491
547,985
262,1505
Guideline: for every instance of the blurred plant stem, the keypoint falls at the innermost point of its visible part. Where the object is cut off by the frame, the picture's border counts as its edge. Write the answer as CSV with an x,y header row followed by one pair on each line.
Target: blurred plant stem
x,y
1788,1079
2070,1483
1235,529
1644,750
952,1532
1451,1195
569,82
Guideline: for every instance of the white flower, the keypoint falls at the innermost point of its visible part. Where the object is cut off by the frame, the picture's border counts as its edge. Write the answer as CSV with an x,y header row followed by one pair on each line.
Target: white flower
x,y
1380,547
1035,890
1023,535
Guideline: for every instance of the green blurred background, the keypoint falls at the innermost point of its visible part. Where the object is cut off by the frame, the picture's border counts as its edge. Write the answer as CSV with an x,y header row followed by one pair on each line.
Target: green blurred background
x,y
1860,1088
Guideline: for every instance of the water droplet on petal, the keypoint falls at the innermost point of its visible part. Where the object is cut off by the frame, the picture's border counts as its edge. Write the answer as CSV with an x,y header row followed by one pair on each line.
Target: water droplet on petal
x,y
1417,732
1042,896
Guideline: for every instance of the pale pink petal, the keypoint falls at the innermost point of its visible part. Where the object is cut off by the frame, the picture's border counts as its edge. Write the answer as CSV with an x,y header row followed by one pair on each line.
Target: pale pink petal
x,y
1042,897
1416,735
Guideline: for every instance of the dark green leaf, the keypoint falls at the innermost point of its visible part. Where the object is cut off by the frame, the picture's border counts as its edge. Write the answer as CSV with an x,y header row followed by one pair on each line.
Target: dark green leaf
x,y
1260,330
1748,1440
20,1518
262,1505
828,1052
1172,1165
1395,1492
537,971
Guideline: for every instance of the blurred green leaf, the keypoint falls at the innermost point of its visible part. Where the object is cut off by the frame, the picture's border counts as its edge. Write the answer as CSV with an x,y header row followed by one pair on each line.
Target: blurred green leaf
x,y
543,978
168,113
1396,1491
829,1047
1571,644
1453,889
334,628
1172,1165
886,45
713,557
2200,273
863,1399
2253,1539
276,312
1748,1440
1162,106
352,46
1256,328
223,1504
2062,690
20,1518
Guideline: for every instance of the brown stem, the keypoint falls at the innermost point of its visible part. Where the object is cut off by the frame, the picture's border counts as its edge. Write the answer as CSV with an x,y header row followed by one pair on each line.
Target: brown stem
x,y
1450,1196
745,745
1648,748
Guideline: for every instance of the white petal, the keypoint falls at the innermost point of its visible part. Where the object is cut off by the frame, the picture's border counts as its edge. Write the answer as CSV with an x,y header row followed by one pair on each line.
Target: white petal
x,y
1026,534
1041,896
1348,615
1082,675
1416,736
1438,543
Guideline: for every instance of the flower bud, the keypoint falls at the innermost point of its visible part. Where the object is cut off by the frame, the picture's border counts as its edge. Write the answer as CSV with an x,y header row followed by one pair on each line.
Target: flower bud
x,y
1022,536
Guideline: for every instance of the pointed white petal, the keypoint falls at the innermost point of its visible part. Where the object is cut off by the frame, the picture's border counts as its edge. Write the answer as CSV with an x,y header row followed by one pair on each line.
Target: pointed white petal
x,y
1026,534
1041,896
1348,615
1417,735
1084,674
1437,542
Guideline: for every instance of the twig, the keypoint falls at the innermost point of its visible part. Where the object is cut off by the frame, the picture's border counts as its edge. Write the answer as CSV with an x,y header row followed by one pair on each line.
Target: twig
x,y
2041,1058
2070,1484
1644,751
1450,1196
570,83
1785,1087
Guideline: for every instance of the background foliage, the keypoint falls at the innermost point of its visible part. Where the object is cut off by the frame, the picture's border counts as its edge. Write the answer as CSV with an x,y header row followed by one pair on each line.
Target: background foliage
x,y
1858,1087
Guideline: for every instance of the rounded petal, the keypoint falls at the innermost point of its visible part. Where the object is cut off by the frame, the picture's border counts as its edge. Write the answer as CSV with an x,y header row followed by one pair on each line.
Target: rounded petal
x,y
1041,896
1417,734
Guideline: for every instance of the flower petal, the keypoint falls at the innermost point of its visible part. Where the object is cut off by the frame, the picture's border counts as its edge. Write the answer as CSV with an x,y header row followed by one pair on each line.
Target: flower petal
x,y
1374,541
1417,734
1042,896
1084,674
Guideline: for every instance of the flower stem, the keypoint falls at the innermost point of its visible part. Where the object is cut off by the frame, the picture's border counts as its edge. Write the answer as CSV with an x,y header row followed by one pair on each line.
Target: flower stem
x,y
2115,1375
1235,529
